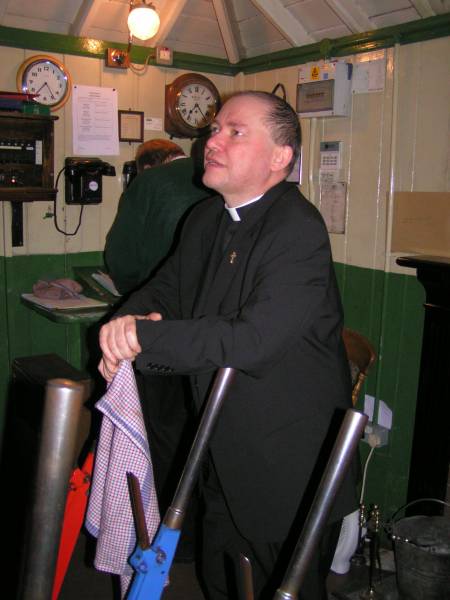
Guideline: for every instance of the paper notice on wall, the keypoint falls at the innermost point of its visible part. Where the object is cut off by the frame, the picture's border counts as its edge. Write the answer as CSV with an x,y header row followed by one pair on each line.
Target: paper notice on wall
x,y
369,76
328,177
94,120
153,124
332,206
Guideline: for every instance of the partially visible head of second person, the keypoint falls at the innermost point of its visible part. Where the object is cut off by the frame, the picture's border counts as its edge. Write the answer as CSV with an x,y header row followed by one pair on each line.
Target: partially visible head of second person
x,y
156,152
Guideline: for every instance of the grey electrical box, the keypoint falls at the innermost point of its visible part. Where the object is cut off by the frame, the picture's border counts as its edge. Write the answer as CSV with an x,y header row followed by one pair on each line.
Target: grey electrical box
x,y
324,90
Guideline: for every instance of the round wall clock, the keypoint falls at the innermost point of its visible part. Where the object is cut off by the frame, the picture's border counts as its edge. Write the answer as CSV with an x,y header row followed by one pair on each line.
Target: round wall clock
x,y
47,78
192,102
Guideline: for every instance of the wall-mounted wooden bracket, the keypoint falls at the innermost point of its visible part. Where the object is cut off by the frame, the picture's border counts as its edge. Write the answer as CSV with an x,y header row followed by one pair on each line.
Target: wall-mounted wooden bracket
x,y
17,224
17,196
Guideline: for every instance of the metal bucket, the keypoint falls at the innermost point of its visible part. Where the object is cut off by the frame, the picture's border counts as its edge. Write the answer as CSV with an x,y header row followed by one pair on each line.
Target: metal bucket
x,y
422,556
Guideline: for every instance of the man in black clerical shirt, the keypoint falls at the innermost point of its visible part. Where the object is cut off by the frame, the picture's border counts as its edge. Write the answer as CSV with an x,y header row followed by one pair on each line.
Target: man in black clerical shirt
x,y
266,304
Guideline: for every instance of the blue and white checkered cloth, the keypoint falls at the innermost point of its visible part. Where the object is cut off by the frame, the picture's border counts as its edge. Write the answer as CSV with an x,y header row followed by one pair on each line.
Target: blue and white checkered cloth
x,y
122,447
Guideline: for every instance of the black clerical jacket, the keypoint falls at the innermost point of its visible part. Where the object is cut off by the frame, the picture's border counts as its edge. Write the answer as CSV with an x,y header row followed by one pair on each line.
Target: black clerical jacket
x,y
269,306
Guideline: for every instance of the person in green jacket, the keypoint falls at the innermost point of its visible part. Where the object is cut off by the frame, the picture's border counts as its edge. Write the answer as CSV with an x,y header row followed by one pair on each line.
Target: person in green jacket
x,y
149,212
142,234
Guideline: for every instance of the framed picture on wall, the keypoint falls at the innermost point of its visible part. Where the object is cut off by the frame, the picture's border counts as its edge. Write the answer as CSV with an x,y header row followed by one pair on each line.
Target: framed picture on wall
x,y
131,126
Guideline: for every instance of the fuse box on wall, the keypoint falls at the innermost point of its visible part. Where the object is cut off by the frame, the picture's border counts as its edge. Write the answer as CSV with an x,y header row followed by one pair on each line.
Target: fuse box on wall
x,y
324,89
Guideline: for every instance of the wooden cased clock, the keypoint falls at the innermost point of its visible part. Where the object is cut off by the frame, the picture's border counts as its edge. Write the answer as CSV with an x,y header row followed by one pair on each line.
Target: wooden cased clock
x,y
47,78
191,104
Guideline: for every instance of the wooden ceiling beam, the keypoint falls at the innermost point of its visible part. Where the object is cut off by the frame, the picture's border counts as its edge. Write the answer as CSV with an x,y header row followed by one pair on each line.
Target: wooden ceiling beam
x,y
440,7
3,7
281,18
351,14
228,31
423,7
168,16
83,19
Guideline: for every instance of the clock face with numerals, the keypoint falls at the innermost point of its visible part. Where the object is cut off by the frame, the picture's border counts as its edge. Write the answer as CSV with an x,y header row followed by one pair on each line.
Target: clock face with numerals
x,y
47,78
196,104
192,102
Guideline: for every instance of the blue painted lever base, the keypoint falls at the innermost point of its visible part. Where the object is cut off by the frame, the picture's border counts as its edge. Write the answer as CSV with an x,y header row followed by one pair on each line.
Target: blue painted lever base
x,y
152,565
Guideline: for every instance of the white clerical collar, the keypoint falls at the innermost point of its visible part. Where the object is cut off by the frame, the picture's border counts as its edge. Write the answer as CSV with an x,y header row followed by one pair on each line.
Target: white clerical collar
x,y
233,211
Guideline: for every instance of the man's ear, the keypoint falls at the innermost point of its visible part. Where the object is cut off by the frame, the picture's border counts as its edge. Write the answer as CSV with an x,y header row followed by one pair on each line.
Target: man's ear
x,y
281,158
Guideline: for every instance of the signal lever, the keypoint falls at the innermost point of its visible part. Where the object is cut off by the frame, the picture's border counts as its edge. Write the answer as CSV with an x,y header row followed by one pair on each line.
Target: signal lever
x,y
152,563
350,433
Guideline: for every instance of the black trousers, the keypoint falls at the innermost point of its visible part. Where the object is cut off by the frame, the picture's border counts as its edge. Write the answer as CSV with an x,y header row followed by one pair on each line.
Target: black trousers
x,y
223,543
171,425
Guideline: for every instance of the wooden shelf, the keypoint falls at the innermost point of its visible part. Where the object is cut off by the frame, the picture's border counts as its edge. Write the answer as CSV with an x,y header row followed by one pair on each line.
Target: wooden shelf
x,y
27,194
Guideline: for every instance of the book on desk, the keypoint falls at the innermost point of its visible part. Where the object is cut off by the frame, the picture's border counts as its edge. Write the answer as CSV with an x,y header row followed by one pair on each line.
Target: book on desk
x,y
97,283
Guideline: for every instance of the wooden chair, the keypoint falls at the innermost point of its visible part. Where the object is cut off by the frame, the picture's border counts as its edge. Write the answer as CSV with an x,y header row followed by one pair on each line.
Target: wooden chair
x,y
361,357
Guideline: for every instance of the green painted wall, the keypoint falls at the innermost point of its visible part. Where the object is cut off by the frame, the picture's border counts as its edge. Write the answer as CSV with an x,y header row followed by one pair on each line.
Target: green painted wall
x,y
24,332
387,308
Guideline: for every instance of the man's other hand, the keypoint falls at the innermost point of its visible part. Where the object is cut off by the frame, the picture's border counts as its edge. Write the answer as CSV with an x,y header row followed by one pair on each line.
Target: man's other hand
x,y
118,341
153,316
108,369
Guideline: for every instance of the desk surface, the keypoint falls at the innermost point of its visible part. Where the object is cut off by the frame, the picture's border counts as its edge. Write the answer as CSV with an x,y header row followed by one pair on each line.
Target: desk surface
x,y
79,316
70,316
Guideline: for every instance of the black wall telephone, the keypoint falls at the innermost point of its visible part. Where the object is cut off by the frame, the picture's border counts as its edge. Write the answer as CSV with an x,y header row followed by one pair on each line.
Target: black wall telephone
x,y
83,178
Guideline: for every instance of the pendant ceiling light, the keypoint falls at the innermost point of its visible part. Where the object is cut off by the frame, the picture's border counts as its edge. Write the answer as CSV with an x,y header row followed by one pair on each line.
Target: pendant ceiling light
x,y
143,23
143,20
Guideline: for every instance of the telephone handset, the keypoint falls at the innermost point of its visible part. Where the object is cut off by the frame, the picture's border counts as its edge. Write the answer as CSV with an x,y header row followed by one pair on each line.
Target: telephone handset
x,y
129,172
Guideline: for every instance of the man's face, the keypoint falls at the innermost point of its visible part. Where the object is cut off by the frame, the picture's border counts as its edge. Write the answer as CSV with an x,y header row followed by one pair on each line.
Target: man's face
x,y
241,159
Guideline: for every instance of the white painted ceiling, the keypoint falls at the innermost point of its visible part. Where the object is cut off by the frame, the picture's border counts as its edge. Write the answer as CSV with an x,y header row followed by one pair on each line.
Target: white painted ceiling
x,y
230,29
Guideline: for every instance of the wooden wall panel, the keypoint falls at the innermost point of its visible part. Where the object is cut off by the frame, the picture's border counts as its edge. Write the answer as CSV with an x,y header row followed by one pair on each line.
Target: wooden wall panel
x,y
432,145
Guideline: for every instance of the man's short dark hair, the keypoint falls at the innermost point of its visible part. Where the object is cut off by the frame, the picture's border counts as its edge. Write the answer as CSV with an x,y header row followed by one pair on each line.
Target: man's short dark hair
x,y
156,152
282,121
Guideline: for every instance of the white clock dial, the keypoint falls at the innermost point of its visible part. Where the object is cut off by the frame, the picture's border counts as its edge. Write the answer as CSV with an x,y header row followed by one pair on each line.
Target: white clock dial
x,y
196,105
47,78
191,103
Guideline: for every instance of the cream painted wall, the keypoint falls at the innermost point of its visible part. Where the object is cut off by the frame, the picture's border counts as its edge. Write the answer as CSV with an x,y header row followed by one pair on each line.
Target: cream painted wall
x,y
365,137
397,139
422,115
394,140
137,92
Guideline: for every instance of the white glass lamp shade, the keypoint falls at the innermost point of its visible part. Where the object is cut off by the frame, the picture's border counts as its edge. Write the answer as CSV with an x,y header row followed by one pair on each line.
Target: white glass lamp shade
x,y
143,21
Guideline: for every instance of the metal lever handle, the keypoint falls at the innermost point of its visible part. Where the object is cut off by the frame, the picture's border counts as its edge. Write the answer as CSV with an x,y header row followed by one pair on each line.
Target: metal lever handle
x,y
152,565
246,573
138,511
63,402
350,433
174,516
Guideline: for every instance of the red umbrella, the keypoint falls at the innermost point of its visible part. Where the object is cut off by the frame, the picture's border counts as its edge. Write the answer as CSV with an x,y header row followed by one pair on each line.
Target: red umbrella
x,y
73,519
